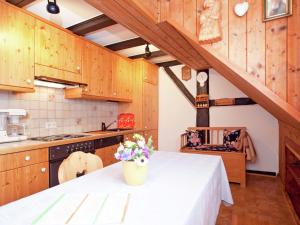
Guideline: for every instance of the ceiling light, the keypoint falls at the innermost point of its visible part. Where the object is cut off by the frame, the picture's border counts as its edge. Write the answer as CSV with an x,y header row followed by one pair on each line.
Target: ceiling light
x,y
52,7
148,53
48,84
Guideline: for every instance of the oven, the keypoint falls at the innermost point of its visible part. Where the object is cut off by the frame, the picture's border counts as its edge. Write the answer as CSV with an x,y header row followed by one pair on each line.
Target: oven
x,y
58,153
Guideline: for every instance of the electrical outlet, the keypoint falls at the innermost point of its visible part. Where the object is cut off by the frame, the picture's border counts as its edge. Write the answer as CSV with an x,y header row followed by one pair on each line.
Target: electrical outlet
x,y
50,125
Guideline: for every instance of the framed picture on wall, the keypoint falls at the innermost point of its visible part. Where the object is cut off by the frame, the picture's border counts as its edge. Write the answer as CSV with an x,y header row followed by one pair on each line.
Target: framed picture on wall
x,y
274,9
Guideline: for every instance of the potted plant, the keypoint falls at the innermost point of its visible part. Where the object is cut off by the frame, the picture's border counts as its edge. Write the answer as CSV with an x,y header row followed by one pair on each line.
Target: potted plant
x,y
134,156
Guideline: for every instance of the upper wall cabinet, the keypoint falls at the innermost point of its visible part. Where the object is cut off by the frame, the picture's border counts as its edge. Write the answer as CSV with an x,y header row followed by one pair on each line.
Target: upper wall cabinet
x,y
150,72
16,49
122,78
57,53
108,75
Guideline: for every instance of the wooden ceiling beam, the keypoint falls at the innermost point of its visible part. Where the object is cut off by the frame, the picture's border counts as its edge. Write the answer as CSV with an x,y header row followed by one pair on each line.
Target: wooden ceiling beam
x,y
93,24
127,44
20,3
169,63
153,55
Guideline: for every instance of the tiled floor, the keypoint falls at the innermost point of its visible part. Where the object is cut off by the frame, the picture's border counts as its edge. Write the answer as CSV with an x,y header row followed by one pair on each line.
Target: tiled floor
x,y
262,202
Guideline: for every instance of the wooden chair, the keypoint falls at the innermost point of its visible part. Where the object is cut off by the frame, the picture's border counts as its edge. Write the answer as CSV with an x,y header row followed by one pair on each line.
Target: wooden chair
x,y
78,164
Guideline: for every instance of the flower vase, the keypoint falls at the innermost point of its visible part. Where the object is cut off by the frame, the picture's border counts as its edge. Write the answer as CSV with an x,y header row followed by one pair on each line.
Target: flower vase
x,y
134,174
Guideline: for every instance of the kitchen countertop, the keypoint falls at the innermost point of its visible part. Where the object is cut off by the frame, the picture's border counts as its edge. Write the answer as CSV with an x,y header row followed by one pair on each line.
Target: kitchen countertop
x,y
13,147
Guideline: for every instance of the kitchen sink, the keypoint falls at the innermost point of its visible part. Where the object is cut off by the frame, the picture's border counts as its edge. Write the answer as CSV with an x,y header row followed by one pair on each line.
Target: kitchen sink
x,y
107,131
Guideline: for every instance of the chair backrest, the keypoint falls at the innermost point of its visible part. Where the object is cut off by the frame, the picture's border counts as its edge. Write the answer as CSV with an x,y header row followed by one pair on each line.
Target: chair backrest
x,y
78,164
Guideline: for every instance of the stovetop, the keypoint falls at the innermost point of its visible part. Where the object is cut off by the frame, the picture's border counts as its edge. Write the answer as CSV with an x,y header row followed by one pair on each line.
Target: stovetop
x,y
58,137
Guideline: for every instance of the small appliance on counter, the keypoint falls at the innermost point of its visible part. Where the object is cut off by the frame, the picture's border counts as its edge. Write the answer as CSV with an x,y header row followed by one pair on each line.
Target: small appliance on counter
x,y
126,121
11,129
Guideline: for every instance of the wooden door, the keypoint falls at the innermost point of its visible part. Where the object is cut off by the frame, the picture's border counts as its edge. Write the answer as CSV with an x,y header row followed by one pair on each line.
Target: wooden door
x,y
150,106
23,181
16,48
59,51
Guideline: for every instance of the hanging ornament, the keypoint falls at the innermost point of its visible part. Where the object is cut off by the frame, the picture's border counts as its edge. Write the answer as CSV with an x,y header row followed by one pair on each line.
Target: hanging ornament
x,y
241,9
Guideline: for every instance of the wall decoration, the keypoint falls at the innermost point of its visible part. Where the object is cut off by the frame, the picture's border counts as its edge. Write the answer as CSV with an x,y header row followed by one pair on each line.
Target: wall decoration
x,y
186,73
274,9
241,9
210,22
202,78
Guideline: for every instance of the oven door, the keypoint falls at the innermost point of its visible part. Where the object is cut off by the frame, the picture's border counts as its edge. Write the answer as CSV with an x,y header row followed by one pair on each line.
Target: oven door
x,y
53,172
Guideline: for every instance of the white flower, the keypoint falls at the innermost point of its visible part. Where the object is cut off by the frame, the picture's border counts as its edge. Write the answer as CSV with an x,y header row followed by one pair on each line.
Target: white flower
x,y
120,148
141,143
129,144
138,151
141,161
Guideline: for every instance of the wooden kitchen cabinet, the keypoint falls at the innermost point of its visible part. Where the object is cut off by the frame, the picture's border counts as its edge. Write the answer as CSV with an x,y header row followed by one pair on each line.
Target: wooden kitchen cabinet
x,y
107,154
23,174
150,72
122,78
57,53
16,49
150,106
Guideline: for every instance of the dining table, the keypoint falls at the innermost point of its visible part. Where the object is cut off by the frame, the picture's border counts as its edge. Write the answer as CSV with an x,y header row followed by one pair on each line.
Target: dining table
x,y
181,189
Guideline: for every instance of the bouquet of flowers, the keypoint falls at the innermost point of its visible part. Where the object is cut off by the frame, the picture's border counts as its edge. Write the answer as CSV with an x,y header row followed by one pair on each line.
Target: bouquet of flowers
x,y
138,151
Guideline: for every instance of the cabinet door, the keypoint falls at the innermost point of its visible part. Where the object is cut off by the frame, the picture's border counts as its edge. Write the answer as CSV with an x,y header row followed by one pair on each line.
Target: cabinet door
x,y
105,60
91,69
122,78
150,106
151,73
58,49
23,181
16,47
107,154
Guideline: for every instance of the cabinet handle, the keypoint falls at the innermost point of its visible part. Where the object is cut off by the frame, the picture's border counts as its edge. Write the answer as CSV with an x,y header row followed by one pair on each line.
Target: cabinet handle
x,y
28,81
115,93
78,68
43,170
27,158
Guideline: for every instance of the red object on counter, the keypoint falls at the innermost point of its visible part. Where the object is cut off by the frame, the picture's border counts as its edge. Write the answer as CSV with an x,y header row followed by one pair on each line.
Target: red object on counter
x,y
126,121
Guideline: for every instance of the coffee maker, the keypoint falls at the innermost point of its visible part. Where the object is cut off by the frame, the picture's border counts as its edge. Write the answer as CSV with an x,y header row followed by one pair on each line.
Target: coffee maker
x,y
11,128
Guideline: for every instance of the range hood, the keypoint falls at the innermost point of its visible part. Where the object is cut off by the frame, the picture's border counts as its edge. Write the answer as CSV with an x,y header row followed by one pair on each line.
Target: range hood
x,y
59,81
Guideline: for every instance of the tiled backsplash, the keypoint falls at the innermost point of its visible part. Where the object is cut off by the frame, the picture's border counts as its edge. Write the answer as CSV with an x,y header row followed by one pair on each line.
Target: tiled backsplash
x,y
48,105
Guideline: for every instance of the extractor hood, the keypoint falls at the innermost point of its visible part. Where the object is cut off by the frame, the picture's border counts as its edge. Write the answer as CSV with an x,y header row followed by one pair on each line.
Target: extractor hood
x,y
59,81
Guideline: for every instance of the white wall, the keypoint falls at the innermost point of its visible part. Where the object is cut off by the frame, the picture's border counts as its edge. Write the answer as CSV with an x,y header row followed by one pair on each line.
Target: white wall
x,y
175,111
176,114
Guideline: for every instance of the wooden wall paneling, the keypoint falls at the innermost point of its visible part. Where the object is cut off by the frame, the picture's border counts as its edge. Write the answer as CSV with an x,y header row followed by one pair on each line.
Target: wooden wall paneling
x,y
237,37
293,44
164,10
190,15
199,9
153,7
256,41
222,46
16,47
276,56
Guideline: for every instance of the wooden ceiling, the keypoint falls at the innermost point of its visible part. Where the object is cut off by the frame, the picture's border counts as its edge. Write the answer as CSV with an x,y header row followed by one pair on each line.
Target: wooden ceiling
x,y
173,39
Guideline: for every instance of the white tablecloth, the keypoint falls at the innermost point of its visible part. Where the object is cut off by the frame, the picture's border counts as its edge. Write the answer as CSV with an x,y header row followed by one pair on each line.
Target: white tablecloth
x,y
181,189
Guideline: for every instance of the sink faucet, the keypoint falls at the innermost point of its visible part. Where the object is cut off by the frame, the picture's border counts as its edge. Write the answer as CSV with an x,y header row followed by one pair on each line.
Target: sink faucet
x,y
104,127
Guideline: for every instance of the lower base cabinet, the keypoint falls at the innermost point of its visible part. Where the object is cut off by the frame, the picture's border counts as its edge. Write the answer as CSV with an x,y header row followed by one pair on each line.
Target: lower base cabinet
x,y
23,174
21,182
107,154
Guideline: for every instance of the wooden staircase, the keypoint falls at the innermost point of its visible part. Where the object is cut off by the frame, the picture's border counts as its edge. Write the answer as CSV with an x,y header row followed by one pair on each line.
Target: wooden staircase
x,y
178,42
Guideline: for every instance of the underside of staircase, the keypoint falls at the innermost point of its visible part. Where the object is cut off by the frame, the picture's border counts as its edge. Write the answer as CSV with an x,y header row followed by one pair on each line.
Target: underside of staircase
x,y
174,40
